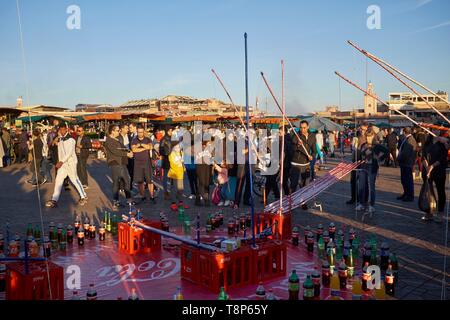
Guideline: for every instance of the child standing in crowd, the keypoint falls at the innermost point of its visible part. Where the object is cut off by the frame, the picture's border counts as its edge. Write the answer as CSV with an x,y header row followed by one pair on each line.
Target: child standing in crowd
x,y
189,164
222,178
176,171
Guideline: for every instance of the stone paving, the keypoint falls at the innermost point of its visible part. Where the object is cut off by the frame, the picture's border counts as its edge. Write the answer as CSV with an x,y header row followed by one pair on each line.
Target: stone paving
x,y
419,246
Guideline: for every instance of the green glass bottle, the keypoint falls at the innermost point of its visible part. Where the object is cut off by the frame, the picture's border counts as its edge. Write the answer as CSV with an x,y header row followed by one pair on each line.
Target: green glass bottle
x,y
29,230
350,264
63,242
181,213
105,217
108,222
394,262
331,256
294,285
187,226
308,288
321,247
355,248
114,225
37,235
222,294
339,245
54,239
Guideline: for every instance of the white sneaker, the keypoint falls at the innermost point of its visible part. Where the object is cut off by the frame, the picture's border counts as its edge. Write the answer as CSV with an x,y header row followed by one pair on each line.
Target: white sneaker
x,y
359,207
192,196
220,204
226,203
371,209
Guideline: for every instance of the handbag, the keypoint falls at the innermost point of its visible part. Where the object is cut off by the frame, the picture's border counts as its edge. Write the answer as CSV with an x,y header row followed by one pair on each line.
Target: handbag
x,y
215,197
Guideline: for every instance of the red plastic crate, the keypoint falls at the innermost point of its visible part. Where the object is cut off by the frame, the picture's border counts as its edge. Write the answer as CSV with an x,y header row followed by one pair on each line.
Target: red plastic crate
x,y
134,240
35,284
284,223
214,270
269,261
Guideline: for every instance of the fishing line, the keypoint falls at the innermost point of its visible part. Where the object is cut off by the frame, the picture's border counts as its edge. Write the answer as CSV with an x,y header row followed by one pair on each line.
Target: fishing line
x,y
25,75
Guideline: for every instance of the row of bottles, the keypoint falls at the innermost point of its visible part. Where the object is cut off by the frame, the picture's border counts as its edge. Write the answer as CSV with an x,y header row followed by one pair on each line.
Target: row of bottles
x,y
91,294
338,281
335,247
57,238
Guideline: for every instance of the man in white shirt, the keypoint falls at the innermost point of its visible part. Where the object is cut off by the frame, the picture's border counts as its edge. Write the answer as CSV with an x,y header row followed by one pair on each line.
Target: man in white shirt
x,y
67,167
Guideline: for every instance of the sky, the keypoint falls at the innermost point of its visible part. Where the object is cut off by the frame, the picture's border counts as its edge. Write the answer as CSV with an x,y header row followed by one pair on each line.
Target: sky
x,y
138,49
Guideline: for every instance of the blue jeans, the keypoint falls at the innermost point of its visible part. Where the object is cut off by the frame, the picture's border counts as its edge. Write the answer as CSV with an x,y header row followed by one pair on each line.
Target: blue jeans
x,y
366,186
406,175
224,192
232,188
46,167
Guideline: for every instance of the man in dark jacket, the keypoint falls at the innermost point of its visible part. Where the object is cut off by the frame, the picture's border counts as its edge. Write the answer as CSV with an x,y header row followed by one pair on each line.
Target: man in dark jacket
x,y
392,147
406,159
288,153
82,150
301,158
35,164
116,156
165,147
435,154
125,138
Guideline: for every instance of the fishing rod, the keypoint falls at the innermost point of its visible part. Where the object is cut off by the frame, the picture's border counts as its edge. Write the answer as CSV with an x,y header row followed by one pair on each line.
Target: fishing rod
x,y
384,103
282,141
248,135
238,113
284,115
385,66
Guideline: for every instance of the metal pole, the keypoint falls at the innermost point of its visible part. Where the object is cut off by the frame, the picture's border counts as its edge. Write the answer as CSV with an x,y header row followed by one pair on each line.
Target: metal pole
x,y
248,143
198,229
175,236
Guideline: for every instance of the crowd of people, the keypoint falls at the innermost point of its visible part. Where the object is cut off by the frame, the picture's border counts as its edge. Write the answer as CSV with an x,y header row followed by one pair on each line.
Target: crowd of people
x,y
142,159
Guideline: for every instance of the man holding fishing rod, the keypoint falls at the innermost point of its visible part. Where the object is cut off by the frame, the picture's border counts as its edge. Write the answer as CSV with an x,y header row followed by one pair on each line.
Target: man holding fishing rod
x,y
301,158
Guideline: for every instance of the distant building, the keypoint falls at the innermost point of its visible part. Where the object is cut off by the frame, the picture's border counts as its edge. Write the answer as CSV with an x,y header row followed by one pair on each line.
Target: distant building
x,y
43,108
416,107
370,103
83,107
408,103
173,105
19,102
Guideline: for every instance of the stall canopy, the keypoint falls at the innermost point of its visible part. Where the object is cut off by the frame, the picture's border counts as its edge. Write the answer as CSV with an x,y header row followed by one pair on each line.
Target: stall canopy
x,y
36,118
321,123
383,125
10,111
103,116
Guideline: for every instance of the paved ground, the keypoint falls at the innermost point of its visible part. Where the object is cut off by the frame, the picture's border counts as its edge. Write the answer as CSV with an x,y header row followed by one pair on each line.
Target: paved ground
x,y
420,246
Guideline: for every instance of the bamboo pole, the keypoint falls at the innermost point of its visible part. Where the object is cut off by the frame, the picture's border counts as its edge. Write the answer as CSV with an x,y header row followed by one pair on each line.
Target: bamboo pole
x,y
384,103
284,115
252,202
385,66
283,111
236,110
